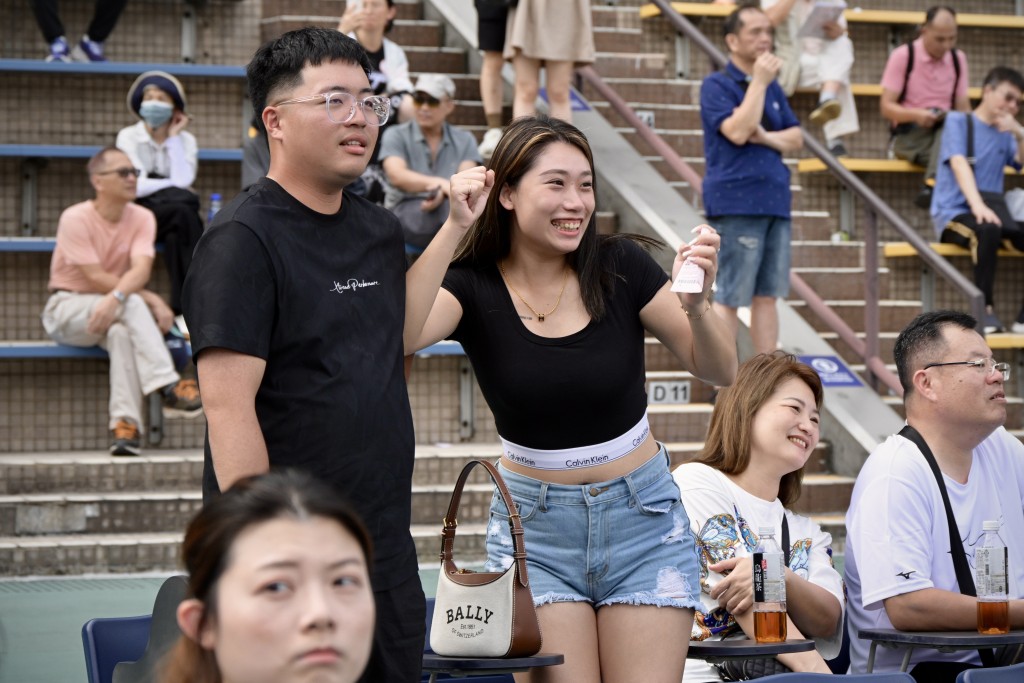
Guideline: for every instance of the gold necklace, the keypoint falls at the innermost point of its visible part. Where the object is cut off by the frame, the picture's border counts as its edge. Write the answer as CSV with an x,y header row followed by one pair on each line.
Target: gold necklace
x,y
540,316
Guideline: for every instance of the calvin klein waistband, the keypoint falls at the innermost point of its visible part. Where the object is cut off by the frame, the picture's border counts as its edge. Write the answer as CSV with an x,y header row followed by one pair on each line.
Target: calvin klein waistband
x,y
582,456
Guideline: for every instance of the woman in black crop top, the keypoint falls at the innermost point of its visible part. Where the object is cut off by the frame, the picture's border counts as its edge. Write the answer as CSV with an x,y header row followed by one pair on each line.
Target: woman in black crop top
x,y
553,318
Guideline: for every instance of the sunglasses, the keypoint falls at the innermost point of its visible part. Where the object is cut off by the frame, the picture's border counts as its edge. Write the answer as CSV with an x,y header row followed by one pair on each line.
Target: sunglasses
x,y
123,172
422,98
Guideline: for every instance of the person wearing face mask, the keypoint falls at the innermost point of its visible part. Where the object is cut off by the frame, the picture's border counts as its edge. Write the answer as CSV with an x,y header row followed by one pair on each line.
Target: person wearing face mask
x,y
167,156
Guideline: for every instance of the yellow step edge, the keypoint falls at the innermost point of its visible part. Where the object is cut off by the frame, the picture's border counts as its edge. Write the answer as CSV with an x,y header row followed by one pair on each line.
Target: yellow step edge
x,y
853,15
905,249
865,165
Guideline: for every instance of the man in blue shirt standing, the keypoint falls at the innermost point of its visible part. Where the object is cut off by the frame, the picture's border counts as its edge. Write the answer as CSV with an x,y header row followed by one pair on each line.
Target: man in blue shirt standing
x,y
748,124
960,212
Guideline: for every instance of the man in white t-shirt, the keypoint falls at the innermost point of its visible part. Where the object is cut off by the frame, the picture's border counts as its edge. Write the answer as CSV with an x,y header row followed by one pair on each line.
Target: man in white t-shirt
x,y
899,569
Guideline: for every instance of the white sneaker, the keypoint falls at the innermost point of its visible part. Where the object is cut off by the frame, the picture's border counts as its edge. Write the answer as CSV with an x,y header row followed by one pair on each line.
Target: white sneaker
x,y
1017,328
490,141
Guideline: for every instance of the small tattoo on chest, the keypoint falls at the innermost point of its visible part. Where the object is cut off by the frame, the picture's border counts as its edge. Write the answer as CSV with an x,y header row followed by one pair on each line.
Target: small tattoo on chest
x,y
525,317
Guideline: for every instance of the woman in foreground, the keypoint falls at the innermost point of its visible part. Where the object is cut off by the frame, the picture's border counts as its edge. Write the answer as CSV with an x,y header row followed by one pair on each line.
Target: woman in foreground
x,y
279,587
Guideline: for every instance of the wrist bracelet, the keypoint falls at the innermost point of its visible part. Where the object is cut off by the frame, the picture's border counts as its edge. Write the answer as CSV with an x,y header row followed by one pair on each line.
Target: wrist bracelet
x,y
702,314
120,296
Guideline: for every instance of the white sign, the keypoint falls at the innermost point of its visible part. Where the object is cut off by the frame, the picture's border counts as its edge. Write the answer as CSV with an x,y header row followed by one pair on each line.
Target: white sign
x,y
671,391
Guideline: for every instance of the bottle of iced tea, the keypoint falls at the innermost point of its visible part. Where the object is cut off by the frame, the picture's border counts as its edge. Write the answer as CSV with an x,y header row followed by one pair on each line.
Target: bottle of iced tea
x,y
991,579
769,589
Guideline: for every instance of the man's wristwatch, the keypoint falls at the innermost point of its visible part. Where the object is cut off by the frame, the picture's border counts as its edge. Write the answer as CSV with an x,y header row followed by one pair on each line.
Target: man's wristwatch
x,y
119,295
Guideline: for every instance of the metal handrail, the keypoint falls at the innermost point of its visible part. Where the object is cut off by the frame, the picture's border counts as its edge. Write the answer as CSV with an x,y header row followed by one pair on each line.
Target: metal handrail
x,y
875,365
657,143
874,207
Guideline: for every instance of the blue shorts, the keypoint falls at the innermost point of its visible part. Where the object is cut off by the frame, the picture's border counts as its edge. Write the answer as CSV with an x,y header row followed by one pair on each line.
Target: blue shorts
x,y
754,258
624,541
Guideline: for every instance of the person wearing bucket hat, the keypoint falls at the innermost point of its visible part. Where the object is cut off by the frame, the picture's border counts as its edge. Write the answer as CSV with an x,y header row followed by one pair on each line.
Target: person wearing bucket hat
x,y
167,156
419,156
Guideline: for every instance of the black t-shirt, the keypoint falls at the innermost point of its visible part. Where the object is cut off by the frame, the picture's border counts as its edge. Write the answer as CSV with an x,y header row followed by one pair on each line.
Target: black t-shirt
x,y
378,81
321,299
579,390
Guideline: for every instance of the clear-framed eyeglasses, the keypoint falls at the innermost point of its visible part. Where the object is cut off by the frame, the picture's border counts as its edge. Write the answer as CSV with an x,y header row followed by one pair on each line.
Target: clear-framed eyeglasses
x,y
989,365
341,106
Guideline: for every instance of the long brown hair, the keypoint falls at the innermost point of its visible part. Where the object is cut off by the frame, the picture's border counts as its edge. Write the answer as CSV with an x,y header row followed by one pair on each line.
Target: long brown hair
x,y
728,443
489,240
206,550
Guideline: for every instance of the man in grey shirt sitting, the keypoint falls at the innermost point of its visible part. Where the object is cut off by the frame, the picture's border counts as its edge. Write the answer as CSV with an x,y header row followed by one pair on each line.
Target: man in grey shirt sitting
x,y
420,156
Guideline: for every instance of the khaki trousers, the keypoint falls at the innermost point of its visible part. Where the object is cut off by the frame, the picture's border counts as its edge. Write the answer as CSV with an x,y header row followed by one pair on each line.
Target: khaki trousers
x,y
921,146
833,63
139,360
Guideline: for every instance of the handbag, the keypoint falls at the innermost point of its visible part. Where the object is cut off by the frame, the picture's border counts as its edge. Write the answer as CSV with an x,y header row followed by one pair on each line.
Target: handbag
x,y
750,669
419,226
484,614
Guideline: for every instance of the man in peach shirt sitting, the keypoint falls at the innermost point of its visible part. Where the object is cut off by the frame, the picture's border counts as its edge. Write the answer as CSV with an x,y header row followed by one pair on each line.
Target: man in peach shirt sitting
x,y
100,266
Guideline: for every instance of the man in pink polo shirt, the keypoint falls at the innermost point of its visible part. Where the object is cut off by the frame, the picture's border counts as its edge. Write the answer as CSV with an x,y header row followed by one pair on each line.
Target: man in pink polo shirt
x,y
919,87
101,264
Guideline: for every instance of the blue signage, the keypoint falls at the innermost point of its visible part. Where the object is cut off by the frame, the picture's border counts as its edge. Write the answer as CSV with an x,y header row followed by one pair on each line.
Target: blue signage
x,y
832,371
574,99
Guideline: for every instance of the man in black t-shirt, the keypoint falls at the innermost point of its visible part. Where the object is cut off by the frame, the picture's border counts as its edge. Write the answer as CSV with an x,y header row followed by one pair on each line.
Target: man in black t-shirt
x,y
296,305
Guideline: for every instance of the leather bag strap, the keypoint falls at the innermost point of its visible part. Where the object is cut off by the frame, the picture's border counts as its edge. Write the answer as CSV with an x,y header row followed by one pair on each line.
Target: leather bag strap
x,y
451,520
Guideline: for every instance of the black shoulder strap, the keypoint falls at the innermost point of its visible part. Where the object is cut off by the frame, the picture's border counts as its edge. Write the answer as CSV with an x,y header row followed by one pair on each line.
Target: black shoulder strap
x,y
956,546
906,74
971,159
956,77
785,538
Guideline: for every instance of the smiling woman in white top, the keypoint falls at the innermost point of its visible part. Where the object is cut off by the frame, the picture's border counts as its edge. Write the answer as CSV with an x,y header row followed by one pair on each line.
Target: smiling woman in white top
x,y
763,430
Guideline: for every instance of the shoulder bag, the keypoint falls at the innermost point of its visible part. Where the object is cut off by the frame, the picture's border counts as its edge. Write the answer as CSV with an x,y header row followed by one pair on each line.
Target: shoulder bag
x,y
484,614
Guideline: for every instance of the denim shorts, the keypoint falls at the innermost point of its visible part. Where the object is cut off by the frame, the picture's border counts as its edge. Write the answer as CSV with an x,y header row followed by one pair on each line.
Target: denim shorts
x,y
624,541
754,258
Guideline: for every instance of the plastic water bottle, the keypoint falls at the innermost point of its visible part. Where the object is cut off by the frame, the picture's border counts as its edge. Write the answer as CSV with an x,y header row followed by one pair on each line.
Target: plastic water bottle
x,y
769,589
991,577
215,204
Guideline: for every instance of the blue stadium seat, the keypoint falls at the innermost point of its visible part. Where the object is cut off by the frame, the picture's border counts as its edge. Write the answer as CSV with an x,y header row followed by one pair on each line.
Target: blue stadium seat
x,y
1002,674
108,641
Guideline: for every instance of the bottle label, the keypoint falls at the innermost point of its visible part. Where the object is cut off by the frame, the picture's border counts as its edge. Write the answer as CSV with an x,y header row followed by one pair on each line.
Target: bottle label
x,y
769,577
990,572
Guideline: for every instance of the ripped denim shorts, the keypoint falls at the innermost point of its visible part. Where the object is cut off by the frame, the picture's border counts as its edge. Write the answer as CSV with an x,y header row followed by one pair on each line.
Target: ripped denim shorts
x,y
624,541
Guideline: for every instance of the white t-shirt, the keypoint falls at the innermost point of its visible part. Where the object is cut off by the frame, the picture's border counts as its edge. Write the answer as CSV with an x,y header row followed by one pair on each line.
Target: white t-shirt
x,y
897,540
723,518
176,159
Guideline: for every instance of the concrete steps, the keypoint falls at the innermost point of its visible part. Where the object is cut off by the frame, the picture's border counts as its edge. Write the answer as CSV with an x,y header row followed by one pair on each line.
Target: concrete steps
x,y
833,283
70,508
86,512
